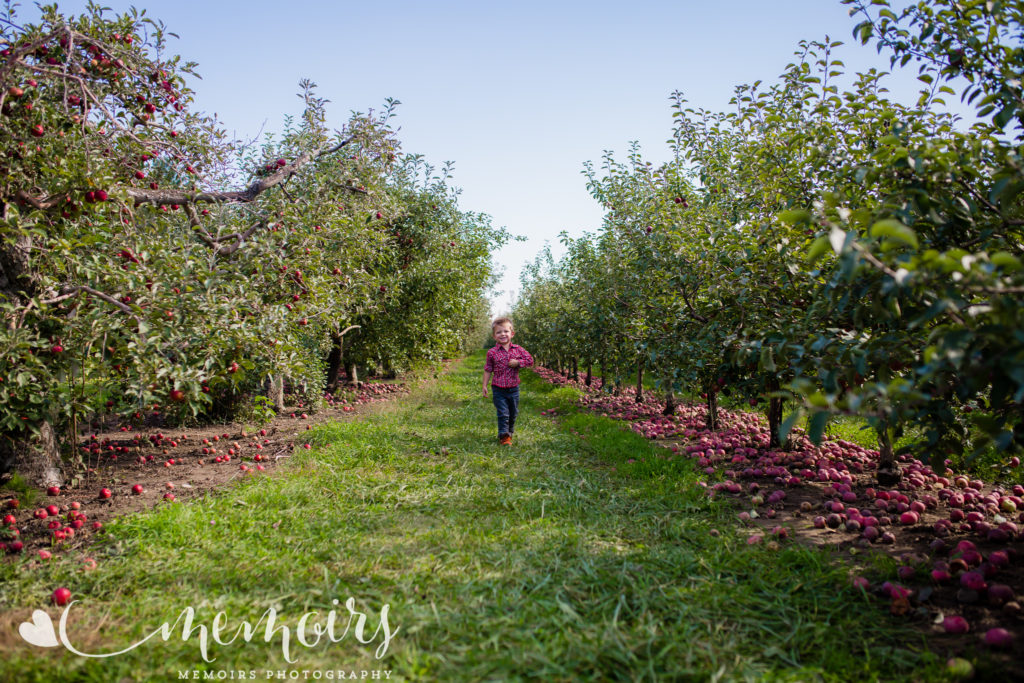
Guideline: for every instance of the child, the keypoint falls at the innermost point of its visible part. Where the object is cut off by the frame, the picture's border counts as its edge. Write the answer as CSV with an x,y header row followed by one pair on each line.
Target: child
x,y
503,362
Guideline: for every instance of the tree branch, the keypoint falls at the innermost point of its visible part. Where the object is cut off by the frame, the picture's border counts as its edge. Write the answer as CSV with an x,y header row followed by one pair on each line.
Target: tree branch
x,y
158,197
239,238
693,312
96,293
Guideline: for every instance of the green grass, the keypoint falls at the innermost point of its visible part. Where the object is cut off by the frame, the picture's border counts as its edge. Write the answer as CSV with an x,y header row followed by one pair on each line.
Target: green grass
x,y
580,553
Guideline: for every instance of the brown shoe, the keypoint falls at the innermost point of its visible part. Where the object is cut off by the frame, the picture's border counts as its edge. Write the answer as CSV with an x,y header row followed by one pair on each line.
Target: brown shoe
x,y
505,440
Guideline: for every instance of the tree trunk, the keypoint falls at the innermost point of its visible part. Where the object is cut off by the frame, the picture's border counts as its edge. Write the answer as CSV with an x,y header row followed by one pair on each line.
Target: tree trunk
x,y
351,374
640,382
888,470
604,373
774,414
35,458
670,401
590,372
334,362
774,421
275,392
575,370
711,421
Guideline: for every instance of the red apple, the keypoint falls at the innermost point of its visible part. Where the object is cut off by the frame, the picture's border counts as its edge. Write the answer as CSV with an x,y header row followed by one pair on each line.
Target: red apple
x,y
105,493
137,489
61,596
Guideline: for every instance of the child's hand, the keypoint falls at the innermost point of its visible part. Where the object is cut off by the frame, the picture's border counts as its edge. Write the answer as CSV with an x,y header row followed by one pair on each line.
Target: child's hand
x,y
485,392
513,363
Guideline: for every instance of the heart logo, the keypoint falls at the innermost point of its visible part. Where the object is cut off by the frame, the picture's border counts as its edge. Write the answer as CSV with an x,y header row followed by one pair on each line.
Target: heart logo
x,y
39,631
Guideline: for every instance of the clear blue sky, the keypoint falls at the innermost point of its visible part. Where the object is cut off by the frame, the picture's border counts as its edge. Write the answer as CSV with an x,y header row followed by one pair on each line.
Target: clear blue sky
x,y
517,94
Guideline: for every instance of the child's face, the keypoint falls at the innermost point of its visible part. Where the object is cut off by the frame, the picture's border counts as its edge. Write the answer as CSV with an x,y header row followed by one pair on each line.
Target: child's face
x,y
503,333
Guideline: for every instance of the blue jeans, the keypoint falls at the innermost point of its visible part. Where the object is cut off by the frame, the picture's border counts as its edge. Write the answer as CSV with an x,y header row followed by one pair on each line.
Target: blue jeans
x,y
506,401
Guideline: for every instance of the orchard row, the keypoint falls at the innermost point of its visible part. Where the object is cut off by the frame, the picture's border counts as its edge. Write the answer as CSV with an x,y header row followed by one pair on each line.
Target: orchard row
x,y
821,250
150,266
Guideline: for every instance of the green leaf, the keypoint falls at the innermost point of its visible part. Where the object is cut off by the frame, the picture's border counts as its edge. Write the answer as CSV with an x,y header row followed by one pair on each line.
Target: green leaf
x,y
794,216
1006,261
816,426
818,400
817,250
891,228
787,425
1004,115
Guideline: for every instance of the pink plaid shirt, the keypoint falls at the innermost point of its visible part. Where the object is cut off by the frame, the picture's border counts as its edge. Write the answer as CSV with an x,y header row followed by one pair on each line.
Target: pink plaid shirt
x,y
505,377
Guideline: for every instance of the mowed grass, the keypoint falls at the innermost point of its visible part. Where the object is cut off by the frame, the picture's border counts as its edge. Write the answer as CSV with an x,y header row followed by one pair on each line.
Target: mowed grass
x,y
555,558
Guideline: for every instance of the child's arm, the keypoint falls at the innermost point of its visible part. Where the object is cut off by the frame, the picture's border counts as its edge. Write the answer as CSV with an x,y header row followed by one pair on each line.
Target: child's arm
x,y
488,370
524,360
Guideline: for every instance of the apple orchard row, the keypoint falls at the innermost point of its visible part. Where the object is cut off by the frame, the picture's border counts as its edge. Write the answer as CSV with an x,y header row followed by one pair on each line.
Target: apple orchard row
x,y
153,267
821,250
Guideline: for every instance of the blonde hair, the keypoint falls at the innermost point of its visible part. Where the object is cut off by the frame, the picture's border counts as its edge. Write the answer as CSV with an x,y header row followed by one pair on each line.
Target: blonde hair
x,y
503,321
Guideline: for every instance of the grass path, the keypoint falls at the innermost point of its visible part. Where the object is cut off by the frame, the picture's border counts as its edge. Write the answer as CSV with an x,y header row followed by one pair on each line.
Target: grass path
x,y
555,558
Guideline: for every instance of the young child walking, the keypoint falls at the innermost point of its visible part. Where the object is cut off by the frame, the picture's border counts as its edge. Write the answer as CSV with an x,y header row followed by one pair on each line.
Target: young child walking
x,y
501,372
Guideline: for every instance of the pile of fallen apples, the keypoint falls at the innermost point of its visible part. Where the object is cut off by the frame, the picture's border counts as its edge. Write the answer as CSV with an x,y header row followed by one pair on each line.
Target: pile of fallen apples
x,y
975,529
